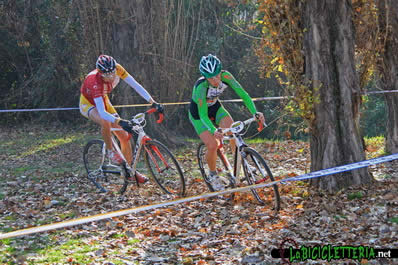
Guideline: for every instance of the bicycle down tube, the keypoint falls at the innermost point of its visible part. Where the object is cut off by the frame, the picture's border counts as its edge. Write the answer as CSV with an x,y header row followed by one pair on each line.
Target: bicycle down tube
x,y
246,160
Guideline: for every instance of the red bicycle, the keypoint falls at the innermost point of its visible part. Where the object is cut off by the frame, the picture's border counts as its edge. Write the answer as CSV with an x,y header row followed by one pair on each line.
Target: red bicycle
x,y
160,162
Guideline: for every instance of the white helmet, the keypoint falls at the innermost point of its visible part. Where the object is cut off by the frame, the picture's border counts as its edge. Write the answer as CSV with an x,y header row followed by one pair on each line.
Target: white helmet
x,y
210,66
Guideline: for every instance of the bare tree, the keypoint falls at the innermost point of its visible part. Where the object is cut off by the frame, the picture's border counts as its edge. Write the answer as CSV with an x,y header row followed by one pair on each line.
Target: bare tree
x,y
154,40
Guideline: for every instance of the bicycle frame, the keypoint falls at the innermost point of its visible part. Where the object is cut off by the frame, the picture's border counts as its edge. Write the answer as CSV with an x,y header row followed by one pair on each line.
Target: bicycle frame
x,y
247,161
139,121
235,129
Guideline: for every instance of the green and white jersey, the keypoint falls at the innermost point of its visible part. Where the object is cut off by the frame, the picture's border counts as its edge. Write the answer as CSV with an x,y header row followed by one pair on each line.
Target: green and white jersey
x,y
205,96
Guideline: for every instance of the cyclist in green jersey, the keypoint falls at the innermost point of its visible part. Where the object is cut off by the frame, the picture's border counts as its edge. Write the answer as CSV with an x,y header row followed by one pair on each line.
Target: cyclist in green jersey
x,y
206,112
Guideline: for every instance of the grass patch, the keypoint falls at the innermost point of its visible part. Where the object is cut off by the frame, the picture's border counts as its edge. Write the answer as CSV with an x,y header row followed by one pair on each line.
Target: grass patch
x,y
64,216
49,144
6,241
12,147
133,241
10,218
260,141
24,169
74,250
10,250
25,144
45,221
7,229
355,195
116,235
339,217
393,220
387,176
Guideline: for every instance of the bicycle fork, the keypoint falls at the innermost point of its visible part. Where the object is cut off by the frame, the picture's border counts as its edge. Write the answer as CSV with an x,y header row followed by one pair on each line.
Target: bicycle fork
x,y
250,170
157,152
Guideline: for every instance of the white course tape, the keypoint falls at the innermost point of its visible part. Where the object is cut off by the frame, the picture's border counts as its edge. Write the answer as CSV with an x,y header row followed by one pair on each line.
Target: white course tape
x,y
182,103
31,110
380,92
98,217
136,105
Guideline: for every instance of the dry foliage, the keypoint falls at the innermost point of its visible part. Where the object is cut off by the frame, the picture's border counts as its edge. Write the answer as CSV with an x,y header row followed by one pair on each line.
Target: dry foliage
x,y
210,231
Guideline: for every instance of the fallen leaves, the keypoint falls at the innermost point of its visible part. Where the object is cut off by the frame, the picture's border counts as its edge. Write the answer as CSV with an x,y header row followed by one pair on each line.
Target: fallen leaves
x,y
217,230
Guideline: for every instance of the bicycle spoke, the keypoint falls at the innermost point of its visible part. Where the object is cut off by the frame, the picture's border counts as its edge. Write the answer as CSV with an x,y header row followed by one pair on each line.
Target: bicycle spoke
x,y
98,172
257,171
164,168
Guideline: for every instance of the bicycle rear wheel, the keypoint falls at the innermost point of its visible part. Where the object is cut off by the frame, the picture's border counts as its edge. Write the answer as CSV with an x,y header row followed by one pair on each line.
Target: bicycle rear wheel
x,y
222,169
164,168
105,176
257,171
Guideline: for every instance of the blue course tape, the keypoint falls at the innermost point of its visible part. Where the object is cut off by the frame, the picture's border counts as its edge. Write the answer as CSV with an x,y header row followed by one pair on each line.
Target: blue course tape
x,y
340,169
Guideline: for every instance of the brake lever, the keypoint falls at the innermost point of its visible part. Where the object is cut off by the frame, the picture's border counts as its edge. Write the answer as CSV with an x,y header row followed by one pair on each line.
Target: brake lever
x,y
160,116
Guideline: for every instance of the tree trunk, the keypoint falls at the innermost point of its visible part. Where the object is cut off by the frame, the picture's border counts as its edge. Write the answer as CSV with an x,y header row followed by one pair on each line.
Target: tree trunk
x,y
388,22
330,66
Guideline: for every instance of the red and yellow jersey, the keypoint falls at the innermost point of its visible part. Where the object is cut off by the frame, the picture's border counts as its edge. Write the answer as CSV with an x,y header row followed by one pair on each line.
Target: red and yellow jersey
x,y
94,86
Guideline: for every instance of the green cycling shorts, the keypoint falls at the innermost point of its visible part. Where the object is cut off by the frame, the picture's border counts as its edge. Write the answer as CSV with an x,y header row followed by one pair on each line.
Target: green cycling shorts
x,y
215,116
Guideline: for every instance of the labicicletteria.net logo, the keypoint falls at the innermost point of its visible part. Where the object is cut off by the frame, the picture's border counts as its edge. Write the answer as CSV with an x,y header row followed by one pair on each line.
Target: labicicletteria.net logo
x,y
290,252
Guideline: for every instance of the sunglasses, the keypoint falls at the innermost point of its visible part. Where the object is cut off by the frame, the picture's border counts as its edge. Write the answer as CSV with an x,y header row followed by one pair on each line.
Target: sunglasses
x,y
110,74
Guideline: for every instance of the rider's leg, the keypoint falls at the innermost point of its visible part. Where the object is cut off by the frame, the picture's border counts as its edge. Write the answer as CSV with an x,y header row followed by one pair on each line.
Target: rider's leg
x,y
121,135
105,127
226,123
212,145
124,144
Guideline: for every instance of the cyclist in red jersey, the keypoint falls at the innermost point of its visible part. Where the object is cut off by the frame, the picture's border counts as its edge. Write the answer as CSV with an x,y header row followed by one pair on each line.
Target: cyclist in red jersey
x,y
95,105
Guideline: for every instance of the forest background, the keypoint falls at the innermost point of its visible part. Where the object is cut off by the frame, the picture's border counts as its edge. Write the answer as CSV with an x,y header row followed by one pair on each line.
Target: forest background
x,y
48,46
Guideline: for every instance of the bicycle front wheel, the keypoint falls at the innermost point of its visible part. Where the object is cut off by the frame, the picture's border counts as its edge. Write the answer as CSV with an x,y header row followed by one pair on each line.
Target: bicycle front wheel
x,y
105,176
164,168
257,171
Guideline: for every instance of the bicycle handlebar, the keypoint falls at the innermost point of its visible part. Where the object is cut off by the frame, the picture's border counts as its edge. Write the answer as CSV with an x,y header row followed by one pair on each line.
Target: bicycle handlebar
x,y
238,126
161,116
